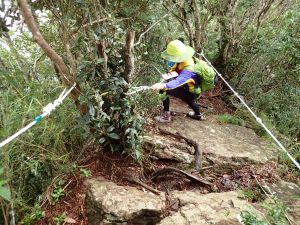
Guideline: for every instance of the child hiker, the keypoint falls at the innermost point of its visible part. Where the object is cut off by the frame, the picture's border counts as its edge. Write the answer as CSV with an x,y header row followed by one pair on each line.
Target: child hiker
x,y
185,86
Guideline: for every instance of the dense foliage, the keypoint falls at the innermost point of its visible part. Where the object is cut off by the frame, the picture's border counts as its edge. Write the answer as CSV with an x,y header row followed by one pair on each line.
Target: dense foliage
x,y
255,44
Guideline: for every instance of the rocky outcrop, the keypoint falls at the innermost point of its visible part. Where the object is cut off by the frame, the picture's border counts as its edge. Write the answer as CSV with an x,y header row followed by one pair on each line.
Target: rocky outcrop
x,y
199,209
224,144
166,148
108,203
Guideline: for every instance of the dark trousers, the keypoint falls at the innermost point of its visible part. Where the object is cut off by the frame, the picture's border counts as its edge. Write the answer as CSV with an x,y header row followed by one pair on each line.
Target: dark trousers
x,y
185,96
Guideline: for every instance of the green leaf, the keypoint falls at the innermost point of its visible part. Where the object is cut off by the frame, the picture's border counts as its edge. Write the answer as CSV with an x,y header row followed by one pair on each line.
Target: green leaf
x,y
110,129
101,140
2,182
5,193
113,136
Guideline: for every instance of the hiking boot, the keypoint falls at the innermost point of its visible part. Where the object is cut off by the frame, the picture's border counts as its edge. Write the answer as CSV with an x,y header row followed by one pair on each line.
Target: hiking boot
x,y
165,117
194,116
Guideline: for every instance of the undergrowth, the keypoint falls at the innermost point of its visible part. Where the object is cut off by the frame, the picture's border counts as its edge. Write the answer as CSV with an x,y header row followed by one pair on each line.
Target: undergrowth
x,y
35,158
274,211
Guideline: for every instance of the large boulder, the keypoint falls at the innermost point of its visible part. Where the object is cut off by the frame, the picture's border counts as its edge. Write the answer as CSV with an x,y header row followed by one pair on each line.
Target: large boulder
x,y
204,209
108,203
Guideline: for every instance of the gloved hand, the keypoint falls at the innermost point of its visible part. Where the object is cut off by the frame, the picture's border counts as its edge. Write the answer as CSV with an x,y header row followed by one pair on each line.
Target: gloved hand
x,y
158,86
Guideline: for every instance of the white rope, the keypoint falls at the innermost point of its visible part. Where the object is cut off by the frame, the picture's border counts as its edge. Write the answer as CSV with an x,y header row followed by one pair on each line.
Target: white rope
x,y
137,89
134,90
258,120
46,112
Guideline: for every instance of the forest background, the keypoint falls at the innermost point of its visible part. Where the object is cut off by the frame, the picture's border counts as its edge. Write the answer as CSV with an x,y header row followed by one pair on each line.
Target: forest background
x,y
108,46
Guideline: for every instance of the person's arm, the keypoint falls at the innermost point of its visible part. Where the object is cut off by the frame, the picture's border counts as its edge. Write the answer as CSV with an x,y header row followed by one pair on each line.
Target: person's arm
x,y
158,86
184,77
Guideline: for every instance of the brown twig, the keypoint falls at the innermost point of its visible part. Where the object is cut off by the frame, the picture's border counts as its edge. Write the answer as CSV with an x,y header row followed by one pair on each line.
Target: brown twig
x,y
136,181
181,172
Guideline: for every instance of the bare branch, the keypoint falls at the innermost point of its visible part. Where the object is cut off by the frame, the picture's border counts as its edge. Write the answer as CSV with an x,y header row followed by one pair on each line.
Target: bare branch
x,y
2,7
136,181
153,25
87,25
35,63
70,57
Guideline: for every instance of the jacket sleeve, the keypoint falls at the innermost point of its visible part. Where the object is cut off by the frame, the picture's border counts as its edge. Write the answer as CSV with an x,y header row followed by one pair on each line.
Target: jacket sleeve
x,y
184,77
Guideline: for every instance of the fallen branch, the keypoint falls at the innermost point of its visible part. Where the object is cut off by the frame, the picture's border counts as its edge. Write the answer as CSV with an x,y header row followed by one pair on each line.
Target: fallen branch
x,y
136,181
190,142
181,172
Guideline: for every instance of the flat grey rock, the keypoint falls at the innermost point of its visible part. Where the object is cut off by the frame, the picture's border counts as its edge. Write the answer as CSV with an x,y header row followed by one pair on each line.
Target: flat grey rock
x,y
215,208
224,143
108,203
164,148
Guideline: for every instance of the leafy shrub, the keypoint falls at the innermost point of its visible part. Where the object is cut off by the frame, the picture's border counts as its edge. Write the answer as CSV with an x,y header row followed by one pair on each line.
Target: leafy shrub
x,y
36,214
113,118
248,218
275,211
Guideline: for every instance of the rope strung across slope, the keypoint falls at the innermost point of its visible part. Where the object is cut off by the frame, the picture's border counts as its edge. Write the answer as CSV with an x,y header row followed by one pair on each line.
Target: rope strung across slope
x,y
258,120
46,112
134,90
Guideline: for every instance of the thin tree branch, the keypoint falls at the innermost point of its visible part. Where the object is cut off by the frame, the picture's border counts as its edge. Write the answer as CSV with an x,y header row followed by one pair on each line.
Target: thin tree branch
x,y
153,25
136,181
73,33
35,63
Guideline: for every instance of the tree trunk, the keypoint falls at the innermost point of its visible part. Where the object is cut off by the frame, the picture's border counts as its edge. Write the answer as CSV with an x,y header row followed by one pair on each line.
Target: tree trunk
x,y
54,57
129,57
197,36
